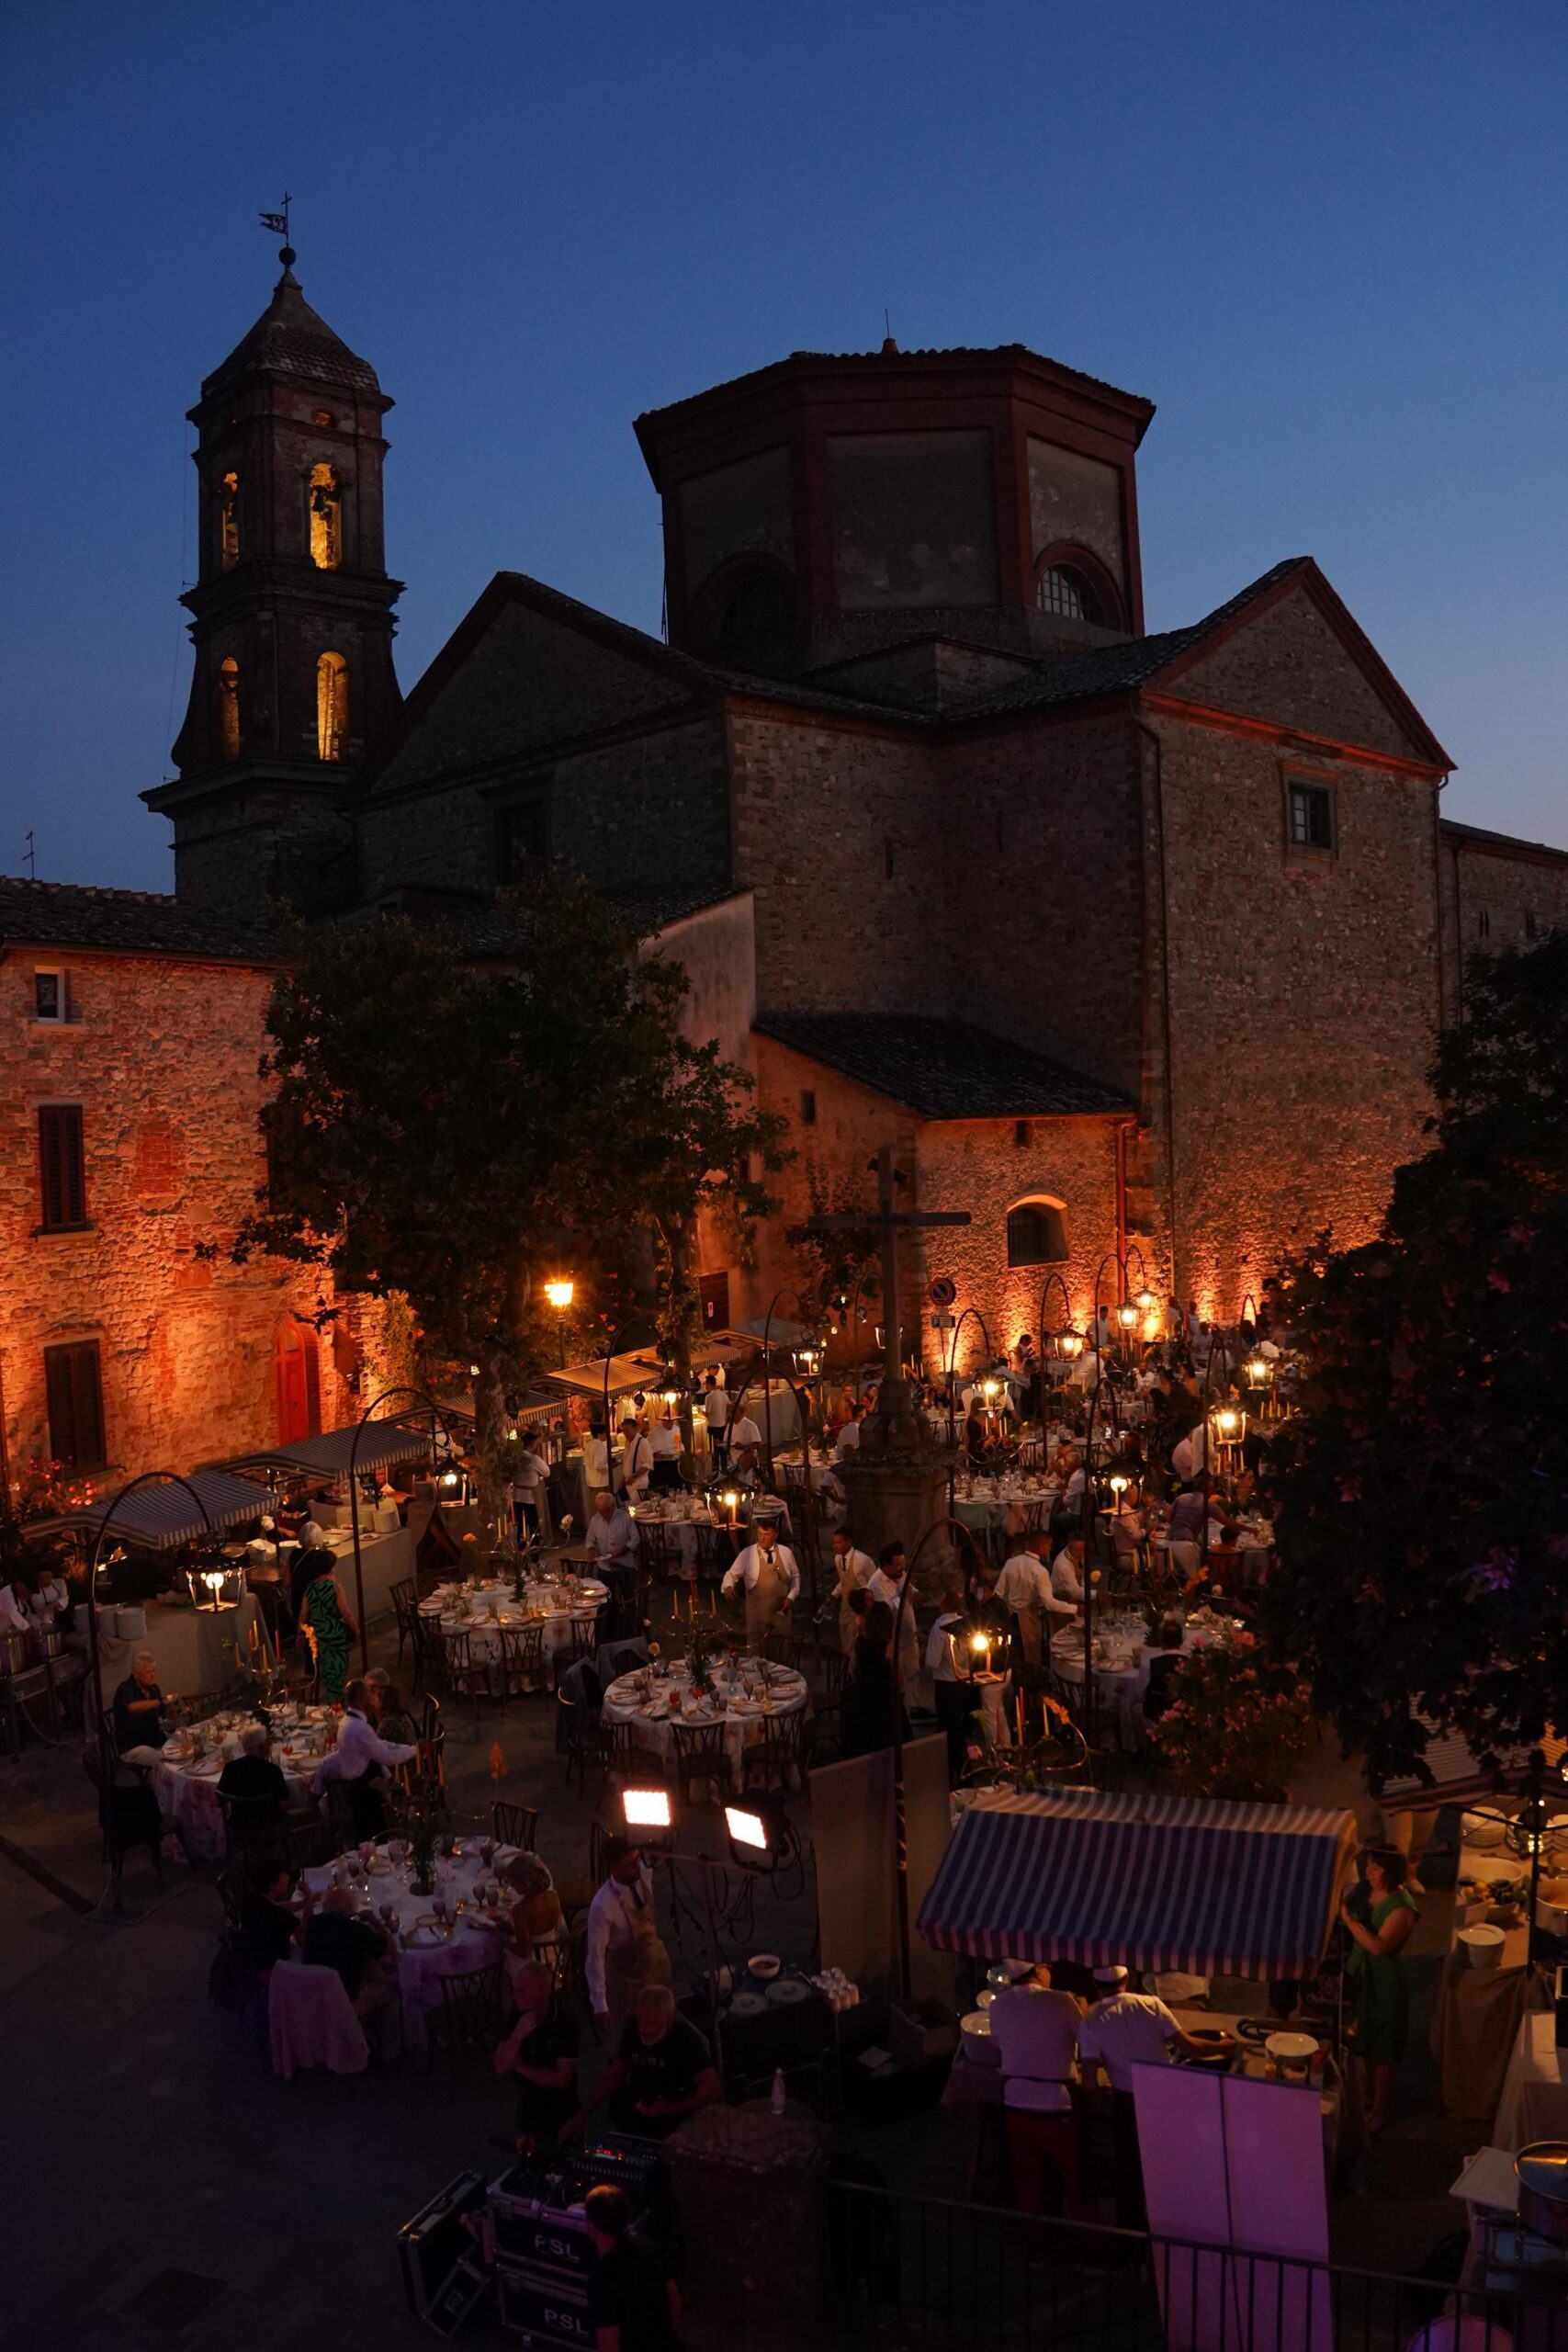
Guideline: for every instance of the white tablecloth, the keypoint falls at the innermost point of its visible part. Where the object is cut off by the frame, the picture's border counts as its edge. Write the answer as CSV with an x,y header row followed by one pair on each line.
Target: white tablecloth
x,y
624,1700
1534,2105
421,1969
187,1792
1120,1688
492,1609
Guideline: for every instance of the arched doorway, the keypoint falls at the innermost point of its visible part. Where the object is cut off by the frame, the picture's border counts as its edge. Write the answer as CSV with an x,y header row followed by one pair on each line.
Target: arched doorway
x,y
299,1380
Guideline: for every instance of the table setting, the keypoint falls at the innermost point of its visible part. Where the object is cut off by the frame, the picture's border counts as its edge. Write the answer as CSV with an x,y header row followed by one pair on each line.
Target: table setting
x,y
1122,1657
459,1924
194,1757
485,1610
984,1503
749,1696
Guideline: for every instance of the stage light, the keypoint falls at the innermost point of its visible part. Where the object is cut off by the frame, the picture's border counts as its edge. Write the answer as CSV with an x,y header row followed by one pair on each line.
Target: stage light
x,y
746,1828
646,1809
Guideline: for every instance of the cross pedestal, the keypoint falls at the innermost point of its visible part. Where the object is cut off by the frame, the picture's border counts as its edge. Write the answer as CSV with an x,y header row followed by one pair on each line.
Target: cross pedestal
x,y
893,1501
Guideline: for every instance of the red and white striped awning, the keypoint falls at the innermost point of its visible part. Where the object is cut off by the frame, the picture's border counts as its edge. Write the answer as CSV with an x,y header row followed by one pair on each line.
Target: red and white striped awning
x,y
1153,1883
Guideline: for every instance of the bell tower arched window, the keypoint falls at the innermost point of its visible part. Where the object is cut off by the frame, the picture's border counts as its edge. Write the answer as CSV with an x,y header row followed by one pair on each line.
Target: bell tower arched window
x,y
332,706
326,519
229,710
228,522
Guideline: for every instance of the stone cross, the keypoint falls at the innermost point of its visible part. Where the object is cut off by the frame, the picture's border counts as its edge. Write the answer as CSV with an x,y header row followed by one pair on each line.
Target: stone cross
x,y
895,1407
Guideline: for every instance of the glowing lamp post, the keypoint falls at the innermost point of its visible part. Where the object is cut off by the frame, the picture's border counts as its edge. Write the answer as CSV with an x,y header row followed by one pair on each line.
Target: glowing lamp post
x,y
1069,1344
560,1291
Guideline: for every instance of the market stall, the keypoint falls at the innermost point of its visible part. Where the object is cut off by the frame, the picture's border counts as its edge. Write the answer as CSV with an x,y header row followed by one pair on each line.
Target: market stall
x,y
386,1554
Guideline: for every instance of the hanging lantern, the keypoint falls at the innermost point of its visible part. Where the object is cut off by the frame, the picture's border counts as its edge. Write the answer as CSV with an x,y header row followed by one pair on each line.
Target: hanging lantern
x,y
1069,1344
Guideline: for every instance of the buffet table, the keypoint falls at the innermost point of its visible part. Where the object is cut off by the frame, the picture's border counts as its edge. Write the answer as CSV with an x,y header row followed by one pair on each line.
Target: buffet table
x,y
1476,2023
1534,2104
196,1649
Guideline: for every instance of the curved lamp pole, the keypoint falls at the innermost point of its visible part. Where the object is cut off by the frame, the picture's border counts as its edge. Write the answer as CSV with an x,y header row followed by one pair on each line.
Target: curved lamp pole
x,y
952,1358
424,1397
900,1811
788,1291
142,1478
1089,1507
1217,1348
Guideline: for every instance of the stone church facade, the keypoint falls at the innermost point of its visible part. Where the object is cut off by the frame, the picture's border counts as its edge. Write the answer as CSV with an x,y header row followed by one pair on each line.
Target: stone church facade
x,y
1133,944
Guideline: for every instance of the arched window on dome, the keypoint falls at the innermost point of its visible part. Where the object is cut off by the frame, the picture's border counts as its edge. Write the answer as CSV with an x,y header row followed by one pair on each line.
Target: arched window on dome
x,y
228,709
1062,589
332,706
1037,1235
228,522
326,519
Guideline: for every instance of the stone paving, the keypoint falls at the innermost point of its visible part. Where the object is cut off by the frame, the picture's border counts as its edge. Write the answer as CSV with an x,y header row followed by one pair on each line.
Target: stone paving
x,y
164,2189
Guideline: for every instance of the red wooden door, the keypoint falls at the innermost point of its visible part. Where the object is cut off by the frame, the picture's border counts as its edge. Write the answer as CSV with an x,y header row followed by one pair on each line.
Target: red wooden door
x,y
297,1414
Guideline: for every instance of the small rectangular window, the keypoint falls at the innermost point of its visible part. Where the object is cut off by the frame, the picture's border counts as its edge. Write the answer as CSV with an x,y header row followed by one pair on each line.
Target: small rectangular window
x,y
1312,816
1482,923
522,838
63,1180
73,1388
49,995
1531,927
808,1106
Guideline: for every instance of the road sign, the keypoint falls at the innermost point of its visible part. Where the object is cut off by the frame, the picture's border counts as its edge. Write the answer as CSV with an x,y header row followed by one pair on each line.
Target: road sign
x,y
943,1322
944,1291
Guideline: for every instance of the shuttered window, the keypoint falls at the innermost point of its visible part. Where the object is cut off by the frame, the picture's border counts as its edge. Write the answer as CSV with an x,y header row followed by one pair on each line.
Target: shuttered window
x,y
62,1178
76,1394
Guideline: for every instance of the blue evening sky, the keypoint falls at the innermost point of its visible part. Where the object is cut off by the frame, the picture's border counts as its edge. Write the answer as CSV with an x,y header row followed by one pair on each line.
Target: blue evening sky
x,y
1327,238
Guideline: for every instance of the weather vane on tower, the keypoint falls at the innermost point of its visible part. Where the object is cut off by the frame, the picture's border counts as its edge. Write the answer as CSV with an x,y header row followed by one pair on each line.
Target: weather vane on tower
x,y
276,225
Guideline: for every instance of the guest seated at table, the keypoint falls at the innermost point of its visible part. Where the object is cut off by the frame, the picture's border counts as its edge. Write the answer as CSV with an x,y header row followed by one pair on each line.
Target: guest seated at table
x,y
540,2055
358,1760
870,1693
1185,1530
744,1440
611,1535
846,1438
333,1937
255,1787
536,1917
1157,1692
1066,1569
663,2071
633,2301
141,1720
391,1716
270,1927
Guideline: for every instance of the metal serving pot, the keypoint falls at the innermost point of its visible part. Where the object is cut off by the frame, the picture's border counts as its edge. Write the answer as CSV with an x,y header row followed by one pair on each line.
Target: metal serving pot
x,y
15,1656
48,1641
1542,2170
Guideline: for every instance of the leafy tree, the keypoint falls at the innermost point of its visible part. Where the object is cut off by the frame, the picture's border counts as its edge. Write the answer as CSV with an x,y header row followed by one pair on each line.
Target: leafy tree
x,y
449,1103
1423,1488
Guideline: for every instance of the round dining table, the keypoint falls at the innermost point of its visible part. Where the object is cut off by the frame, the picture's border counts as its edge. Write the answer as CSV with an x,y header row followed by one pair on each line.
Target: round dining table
x,y
1121,1665
750,1704
186,1780
470,1936
486,1610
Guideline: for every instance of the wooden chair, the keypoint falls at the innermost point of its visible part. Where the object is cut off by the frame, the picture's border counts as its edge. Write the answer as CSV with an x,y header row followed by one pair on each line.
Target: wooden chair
x,y
582,1740
405,1608
430,1718
311,1844
628,1759
469,2017
658,1551
700,1755
521,1662
429,1657
782,1647
515,1825
779,1760
467,1677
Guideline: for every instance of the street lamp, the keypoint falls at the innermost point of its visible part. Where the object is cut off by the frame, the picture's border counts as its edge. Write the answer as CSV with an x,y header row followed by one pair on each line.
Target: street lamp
x,y
560,1291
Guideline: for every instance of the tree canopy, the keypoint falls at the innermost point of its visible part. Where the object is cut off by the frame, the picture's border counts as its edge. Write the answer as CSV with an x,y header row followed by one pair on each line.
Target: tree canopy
x,y
1422,1490
452,1106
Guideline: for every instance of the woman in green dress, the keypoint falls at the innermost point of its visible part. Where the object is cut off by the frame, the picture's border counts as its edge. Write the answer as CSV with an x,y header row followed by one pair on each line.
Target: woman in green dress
x,y
1380,1912
331,1628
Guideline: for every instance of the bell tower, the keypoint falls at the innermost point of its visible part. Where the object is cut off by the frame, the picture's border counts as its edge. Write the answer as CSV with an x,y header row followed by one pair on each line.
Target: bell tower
x,y
292,614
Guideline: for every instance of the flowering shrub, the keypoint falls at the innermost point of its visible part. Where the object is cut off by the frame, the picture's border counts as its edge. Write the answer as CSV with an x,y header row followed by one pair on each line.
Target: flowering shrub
x,y
1236,1723
45,1488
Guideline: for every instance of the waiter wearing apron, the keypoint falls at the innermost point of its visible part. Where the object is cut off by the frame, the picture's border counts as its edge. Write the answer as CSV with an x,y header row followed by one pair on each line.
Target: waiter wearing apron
x,y
625,1950
766,1569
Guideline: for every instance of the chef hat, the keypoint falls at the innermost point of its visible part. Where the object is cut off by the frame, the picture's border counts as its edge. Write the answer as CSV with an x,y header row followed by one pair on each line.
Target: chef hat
x,y
1117,1975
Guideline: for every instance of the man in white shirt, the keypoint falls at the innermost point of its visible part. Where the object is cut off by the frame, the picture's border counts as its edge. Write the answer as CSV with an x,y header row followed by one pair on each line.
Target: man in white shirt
x,y
952,1690
743,1440
887,1586
766,1570
16,1603
1024,1588
530,1472
715,1412
856,1569
1067,1571
1122,2031
611,1534
1034,2030
636,1461
360,1748
847,1439
624,1949
665,1439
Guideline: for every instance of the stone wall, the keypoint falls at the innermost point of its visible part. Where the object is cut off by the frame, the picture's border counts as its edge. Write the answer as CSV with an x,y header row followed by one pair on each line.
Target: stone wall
x,y
986,1166
1496,893
161,1054
1303,993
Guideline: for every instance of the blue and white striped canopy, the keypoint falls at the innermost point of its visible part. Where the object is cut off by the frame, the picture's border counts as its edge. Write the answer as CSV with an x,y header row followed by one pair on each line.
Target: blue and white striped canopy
x,y
327,1454
1154,1883
156,1518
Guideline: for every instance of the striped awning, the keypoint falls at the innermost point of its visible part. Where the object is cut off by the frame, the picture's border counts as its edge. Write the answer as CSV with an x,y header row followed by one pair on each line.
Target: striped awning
x,y
156,1518
1154,1882
327,1456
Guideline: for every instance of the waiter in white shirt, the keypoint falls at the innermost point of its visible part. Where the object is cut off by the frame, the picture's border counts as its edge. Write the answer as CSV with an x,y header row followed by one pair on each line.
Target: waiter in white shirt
x,y
360,1747
636,1461
855,1570
848,1441
1122,2031
1034,2029
715,1412
743,1441
1067,1571
887,1586
1025,1586
665,1439
953,1689
624,1951
767,1570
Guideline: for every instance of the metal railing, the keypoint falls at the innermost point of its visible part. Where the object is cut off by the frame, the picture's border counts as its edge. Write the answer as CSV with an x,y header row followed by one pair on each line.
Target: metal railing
x,y
926,2275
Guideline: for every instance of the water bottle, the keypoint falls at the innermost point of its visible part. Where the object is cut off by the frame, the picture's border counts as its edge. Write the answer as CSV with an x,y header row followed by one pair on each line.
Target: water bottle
x,y
777,2095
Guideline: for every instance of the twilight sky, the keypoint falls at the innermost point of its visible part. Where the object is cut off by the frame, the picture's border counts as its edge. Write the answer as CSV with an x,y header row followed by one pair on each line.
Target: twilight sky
x,y
1326,240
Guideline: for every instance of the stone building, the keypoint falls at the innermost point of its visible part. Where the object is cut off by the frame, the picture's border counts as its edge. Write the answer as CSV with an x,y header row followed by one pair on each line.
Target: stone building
x,y
1134,946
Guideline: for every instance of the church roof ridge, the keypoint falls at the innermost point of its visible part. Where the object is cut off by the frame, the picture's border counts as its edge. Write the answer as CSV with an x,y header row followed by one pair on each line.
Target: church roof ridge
x,y
942,1069
88,914
291,339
